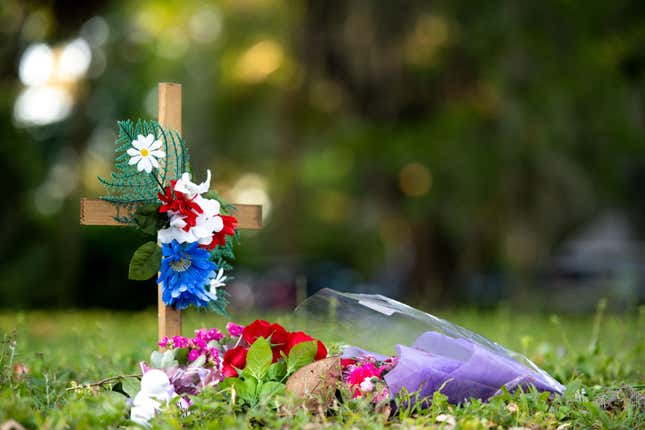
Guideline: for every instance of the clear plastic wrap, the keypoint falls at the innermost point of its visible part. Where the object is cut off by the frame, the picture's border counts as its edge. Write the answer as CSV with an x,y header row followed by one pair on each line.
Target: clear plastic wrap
x,y
430,352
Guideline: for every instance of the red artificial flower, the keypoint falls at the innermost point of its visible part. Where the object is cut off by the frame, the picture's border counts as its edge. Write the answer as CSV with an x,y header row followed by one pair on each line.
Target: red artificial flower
x,y
346,362
234,358
178,202
219,238
299,337
276,334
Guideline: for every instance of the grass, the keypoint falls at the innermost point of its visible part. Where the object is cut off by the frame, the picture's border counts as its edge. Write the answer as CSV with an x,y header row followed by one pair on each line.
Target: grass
x,y
600,359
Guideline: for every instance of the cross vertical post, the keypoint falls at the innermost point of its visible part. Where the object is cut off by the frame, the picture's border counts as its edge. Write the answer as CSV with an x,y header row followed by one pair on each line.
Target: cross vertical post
x,y
169,116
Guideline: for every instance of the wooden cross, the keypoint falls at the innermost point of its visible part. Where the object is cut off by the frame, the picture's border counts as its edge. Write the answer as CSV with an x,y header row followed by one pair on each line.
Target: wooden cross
x,y
100,212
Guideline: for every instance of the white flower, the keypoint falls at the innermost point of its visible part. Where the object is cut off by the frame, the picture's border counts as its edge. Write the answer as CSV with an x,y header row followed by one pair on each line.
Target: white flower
x,y
207,223
186,186
145,153
155,383
144,410
156,390
367,385
217,282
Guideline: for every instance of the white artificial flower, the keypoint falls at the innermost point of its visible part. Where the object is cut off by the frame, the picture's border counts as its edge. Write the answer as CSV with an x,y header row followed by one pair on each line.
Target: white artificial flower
x,y
156,390
217,282
186,186
155,383
206,223
144,409
145,152
367,385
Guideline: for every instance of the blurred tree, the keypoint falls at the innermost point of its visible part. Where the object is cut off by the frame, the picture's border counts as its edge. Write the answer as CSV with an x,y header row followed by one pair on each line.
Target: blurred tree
x,y
419,144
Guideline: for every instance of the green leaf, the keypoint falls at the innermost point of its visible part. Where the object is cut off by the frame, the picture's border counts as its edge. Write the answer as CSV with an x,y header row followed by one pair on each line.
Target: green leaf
x,y
145,262
227,383
246,390
301,355
277,371
131,386
259,358
163,360
149,220
270,389
126,184
181,355
118,388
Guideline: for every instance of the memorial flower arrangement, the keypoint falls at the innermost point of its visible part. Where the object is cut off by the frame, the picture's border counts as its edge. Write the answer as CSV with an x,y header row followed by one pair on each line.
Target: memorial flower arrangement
x,y
385,350
194,231
253,361
257,362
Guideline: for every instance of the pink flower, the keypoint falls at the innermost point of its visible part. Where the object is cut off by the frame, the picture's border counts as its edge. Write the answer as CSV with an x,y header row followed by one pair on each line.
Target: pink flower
x,y
357,377
235,330
384,394
163,342
180,342
359,373
193,355
214,334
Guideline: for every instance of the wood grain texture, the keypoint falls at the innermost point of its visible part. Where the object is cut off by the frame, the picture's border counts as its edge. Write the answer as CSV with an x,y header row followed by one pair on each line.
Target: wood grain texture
x,y
100,212
169,116
168,319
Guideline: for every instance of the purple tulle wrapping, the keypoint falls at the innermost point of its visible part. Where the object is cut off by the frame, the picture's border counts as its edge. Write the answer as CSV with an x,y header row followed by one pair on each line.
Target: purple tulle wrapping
x,y
467,370
432,353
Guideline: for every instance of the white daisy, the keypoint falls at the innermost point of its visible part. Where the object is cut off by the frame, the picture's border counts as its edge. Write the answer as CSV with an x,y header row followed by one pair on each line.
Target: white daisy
x,y
145,152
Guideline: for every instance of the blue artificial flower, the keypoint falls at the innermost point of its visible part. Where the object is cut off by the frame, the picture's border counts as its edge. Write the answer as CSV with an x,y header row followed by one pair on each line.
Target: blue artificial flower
x,y
185,274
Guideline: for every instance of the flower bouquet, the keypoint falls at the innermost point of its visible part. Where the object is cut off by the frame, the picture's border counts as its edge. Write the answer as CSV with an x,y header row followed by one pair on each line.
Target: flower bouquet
x,y
406,350
262,360
252,362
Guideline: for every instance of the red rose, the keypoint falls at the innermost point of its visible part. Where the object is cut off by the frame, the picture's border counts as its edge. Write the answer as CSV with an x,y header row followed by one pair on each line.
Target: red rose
x,y
299,337
234,358
258,328
276,334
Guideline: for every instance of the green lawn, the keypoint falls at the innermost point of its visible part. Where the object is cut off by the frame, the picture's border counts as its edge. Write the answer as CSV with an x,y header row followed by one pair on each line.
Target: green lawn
x,y
600,358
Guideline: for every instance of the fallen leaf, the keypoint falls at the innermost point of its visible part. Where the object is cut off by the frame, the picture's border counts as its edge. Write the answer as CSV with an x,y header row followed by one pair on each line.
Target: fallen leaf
x,y
316,383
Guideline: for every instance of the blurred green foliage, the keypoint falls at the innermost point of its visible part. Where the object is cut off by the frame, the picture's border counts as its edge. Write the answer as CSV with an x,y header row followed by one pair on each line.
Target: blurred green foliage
x,y
433,140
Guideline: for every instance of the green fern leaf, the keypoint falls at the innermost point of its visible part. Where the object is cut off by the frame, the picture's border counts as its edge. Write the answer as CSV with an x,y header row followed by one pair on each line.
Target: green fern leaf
x,y
126,184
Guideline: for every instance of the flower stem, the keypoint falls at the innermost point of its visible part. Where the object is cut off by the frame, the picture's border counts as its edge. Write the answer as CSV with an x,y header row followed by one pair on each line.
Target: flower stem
x,y
158,182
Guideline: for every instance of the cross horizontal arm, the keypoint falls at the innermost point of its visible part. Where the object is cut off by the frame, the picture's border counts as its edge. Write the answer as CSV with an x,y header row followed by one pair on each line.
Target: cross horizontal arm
x,y
100,212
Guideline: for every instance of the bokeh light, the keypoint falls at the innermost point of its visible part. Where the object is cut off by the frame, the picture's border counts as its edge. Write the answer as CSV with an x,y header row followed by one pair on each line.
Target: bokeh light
x,y
415,179
74,60
42,105
50,76
252,189
259,61
36,64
